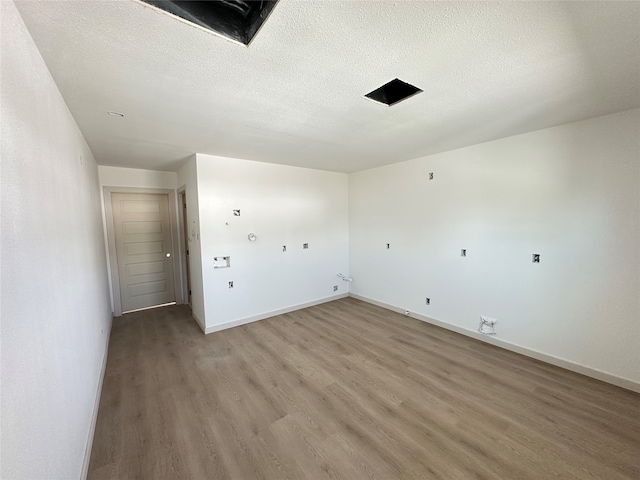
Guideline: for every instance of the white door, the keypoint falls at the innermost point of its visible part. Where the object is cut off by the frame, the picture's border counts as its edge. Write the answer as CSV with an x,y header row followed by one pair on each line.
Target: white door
x,y
144,249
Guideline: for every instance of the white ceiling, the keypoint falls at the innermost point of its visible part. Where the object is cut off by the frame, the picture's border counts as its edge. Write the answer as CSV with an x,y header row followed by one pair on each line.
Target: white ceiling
x,y
295,95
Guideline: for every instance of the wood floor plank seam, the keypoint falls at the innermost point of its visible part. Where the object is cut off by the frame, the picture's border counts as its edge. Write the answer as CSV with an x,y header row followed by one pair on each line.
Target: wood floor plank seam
x,y
348,390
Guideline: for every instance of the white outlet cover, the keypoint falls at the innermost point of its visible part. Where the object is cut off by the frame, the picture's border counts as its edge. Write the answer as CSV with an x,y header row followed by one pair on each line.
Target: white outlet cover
x,y
221,262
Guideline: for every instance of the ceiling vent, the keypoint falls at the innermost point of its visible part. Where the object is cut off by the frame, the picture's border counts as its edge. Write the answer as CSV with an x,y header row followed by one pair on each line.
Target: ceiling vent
x,y
393,92
238,20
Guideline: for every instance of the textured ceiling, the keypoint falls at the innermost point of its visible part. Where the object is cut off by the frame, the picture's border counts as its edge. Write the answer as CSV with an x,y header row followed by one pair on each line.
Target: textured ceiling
x,y
295,95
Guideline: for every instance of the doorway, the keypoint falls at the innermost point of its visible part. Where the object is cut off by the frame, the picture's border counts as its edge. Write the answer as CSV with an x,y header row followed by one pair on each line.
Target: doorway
x,y
144,250
185,243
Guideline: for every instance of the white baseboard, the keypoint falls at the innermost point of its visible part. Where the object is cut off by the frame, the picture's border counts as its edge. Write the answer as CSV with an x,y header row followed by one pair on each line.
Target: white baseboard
x,y
262,316
544,357
96,407
200,322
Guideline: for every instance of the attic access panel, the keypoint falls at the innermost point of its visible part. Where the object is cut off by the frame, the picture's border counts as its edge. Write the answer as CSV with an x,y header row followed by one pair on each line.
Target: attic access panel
x,y
393,92
238,20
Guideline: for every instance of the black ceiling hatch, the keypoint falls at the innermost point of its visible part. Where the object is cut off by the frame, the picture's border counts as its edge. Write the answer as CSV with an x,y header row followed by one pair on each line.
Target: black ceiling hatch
x,y
238,20
393,92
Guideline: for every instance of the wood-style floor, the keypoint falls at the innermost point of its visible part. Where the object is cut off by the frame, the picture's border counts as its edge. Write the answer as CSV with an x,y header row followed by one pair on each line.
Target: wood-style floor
x,y
347,390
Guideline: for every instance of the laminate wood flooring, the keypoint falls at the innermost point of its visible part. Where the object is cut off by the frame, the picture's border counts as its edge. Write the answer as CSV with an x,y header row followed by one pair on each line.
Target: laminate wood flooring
x,y
348,390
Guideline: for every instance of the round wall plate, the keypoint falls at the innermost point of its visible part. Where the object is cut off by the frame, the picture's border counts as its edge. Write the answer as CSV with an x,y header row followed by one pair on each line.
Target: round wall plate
x,y
252,237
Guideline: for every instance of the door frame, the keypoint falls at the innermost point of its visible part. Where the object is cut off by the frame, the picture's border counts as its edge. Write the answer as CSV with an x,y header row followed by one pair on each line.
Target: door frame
x,y
185,268
112,259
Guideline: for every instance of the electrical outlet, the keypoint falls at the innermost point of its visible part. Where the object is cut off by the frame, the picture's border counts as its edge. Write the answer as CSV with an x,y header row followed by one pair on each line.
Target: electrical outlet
x,y
430,175
407,312
284,248
428,301
335,288
230,284
463,252
535,258
236,213
305,245
388,246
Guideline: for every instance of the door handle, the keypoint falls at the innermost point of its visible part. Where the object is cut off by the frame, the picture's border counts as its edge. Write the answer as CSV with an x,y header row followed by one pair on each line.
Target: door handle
x,y
168,255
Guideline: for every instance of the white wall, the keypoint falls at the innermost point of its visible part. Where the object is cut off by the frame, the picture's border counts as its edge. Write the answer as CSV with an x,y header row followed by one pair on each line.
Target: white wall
x,y
569,193
137,178
188,182
282,205
55,307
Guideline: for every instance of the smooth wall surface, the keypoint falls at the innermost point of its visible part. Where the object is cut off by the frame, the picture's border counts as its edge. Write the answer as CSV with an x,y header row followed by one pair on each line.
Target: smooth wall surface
x,y
282,206
188,182
569,193
136,178
55,302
